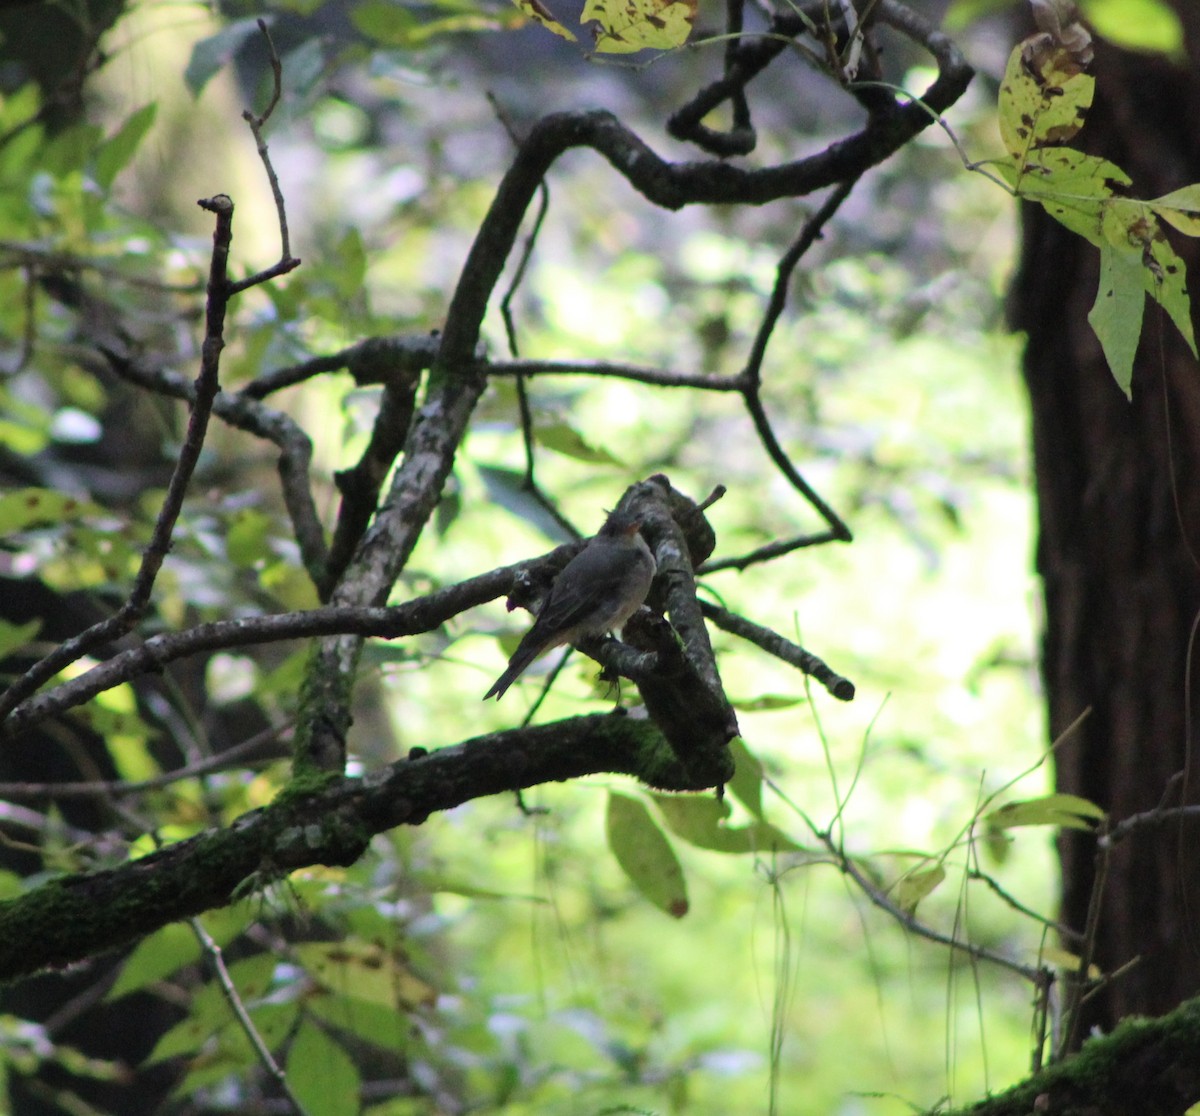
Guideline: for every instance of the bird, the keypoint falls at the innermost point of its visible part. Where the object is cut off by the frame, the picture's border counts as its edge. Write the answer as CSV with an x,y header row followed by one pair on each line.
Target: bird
x,y
596,592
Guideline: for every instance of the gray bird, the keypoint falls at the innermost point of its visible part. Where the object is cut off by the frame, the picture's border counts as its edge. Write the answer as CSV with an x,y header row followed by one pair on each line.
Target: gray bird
x,y
597,591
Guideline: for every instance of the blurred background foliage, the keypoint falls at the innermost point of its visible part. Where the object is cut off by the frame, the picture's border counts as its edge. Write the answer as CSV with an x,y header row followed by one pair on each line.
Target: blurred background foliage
x,y
492,959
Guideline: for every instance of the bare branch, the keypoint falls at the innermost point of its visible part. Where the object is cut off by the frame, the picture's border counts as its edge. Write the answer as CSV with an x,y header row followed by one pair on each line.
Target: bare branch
x,y
256,750
286,260
205,390
637,373
768,552
79,915
775,644
230,992
420,615
295,448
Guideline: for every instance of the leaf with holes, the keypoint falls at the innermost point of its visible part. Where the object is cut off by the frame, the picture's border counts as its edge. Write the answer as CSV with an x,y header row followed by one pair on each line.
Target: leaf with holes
x,y
1116,315
1044,98
627,26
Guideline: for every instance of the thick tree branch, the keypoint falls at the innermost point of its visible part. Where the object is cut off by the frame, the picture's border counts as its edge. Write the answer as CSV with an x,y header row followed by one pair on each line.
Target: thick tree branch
x,y
1145,1066
328,822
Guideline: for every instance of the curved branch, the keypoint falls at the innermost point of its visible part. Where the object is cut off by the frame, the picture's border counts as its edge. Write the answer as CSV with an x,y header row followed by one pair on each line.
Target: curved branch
x,y
674,185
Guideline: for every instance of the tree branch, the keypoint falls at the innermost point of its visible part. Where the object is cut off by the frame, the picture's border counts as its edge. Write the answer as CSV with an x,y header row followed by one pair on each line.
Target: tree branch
x,y
205,390
329,821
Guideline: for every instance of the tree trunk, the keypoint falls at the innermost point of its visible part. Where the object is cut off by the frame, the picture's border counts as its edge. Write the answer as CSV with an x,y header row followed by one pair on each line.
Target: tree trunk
x,y
1117,558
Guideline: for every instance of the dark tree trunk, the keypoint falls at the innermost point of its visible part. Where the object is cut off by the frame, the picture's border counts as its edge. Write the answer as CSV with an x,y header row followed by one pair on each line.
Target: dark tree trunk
x,y
1122,585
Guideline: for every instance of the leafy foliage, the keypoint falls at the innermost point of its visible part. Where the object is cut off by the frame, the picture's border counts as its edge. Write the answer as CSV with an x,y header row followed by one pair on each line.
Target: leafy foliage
x,y
414,962
1044,99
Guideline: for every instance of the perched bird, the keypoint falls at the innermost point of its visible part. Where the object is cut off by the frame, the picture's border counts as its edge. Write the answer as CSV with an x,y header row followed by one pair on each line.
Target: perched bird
x,y
597,591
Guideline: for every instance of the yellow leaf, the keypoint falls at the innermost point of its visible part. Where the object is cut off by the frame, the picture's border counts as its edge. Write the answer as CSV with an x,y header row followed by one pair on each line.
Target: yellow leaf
x,y
1068,962
626,26
1044,97
1180,208
539,13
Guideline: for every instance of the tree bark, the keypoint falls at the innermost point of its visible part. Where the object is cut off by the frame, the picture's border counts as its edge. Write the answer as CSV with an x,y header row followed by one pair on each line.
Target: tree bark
x,y
1119,518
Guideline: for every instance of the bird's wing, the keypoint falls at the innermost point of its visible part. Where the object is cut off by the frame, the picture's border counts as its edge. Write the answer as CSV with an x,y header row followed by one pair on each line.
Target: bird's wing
x,y
597,574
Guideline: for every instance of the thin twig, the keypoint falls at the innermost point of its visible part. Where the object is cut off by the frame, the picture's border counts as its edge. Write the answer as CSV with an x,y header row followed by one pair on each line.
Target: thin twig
x,y
1013,902
286,261
752,374
775,644
116,788
369,361
414,617
768,552
529,482
637,373
1078,981
910,922
206,387
254,417
213,951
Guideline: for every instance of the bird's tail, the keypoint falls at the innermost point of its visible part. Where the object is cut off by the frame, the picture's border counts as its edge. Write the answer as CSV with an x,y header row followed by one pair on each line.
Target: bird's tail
x,y
522,657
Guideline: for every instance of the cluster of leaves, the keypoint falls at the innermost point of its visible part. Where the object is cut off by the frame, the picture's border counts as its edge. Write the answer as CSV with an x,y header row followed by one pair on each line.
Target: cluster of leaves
x,y
1044,100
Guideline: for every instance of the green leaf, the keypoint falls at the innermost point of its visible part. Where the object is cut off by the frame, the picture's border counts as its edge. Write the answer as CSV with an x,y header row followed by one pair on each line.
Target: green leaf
x,y
767,703
15,636
35,507
1116,315
1073,188
391,25
912,887
365,971
645,855
381,1026
747,782
1067,961
962,13
116,152
289,585
626,26
210,1010
1132,227
1043,101
351,260
1065,811
565,439
698,820
211,54
175,945
1148,25
1180,208
248,539
230,1053
321,1073
1044,98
